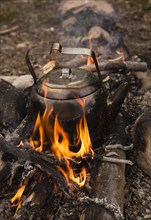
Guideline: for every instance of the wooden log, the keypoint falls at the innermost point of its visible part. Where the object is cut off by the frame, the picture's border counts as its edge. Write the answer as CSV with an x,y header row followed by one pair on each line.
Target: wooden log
x,y
107,198
22,131
114,65
116,100
117,66
44,163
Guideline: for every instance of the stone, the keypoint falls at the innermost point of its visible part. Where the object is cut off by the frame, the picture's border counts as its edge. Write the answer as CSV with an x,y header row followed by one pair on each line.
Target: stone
x,y
23,81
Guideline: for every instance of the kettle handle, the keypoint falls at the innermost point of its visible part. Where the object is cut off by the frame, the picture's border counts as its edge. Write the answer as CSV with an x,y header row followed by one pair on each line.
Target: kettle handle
x,y
64,50
77,51
30,67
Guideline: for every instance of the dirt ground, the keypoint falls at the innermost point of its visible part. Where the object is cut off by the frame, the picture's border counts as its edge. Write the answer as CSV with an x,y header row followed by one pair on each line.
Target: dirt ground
x,y
37,22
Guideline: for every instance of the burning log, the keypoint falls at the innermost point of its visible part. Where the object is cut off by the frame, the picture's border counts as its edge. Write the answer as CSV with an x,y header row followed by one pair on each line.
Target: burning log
x,y
116,100
107,197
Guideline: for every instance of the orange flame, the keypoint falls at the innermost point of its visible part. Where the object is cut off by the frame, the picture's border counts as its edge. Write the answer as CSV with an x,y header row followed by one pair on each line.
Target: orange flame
x,y
17,197
41,124
60,143
69,175
90,59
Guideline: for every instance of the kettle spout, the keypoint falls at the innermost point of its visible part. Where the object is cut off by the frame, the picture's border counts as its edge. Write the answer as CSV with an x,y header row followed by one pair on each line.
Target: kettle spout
x,y
116,100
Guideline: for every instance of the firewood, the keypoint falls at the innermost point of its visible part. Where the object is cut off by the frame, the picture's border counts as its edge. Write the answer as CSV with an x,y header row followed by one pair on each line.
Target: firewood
x,y
141,133
40,193
22,131
117,66
116,100
45,164
108,180
114,65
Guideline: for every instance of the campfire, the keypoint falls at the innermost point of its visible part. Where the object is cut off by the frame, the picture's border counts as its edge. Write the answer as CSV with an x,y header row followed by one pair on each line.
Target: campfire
x,y
65,138
63,142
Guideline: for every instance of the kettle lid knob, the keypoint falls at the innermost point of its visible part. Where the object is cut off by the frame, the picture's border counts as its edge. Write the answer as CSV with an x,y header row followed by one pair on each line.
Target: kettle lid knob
x,y
66,73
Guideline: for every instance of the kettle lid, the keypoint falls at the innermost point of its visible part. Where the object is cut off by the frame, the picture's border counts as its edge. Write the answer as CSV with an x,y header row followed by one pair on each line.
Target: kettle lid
x,y
65,83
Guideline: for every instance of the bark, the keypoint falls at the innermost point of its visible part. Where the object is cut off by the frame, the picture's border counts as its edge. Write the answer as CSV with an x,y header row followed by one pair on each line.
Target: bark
x,y
108,180
117,66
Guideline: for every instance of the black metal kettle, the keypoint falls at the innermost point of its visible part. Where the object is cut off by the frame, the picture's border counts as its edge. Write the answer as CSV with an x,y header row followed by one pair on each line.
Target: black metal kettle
x,y
65,86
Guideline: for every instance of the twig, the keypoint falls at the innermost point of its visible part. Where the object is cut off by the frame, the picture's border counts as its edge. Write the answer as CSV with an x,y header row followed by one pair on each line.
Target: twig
x,y
109,160
103,202
112,153
115,146
8,30
115,160
119,146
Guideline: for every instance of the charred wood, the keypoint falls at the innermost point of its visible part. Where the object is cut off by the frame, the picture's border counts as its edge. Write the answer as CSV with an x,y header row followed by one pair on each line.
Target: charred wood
x,y
116,100
42,162
22,131
40,192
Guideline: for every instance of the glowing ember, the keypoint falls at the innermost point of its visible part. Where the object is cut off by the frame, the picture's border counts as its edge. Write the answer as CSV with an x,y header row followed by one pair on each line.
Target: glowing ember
x,y
17,197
